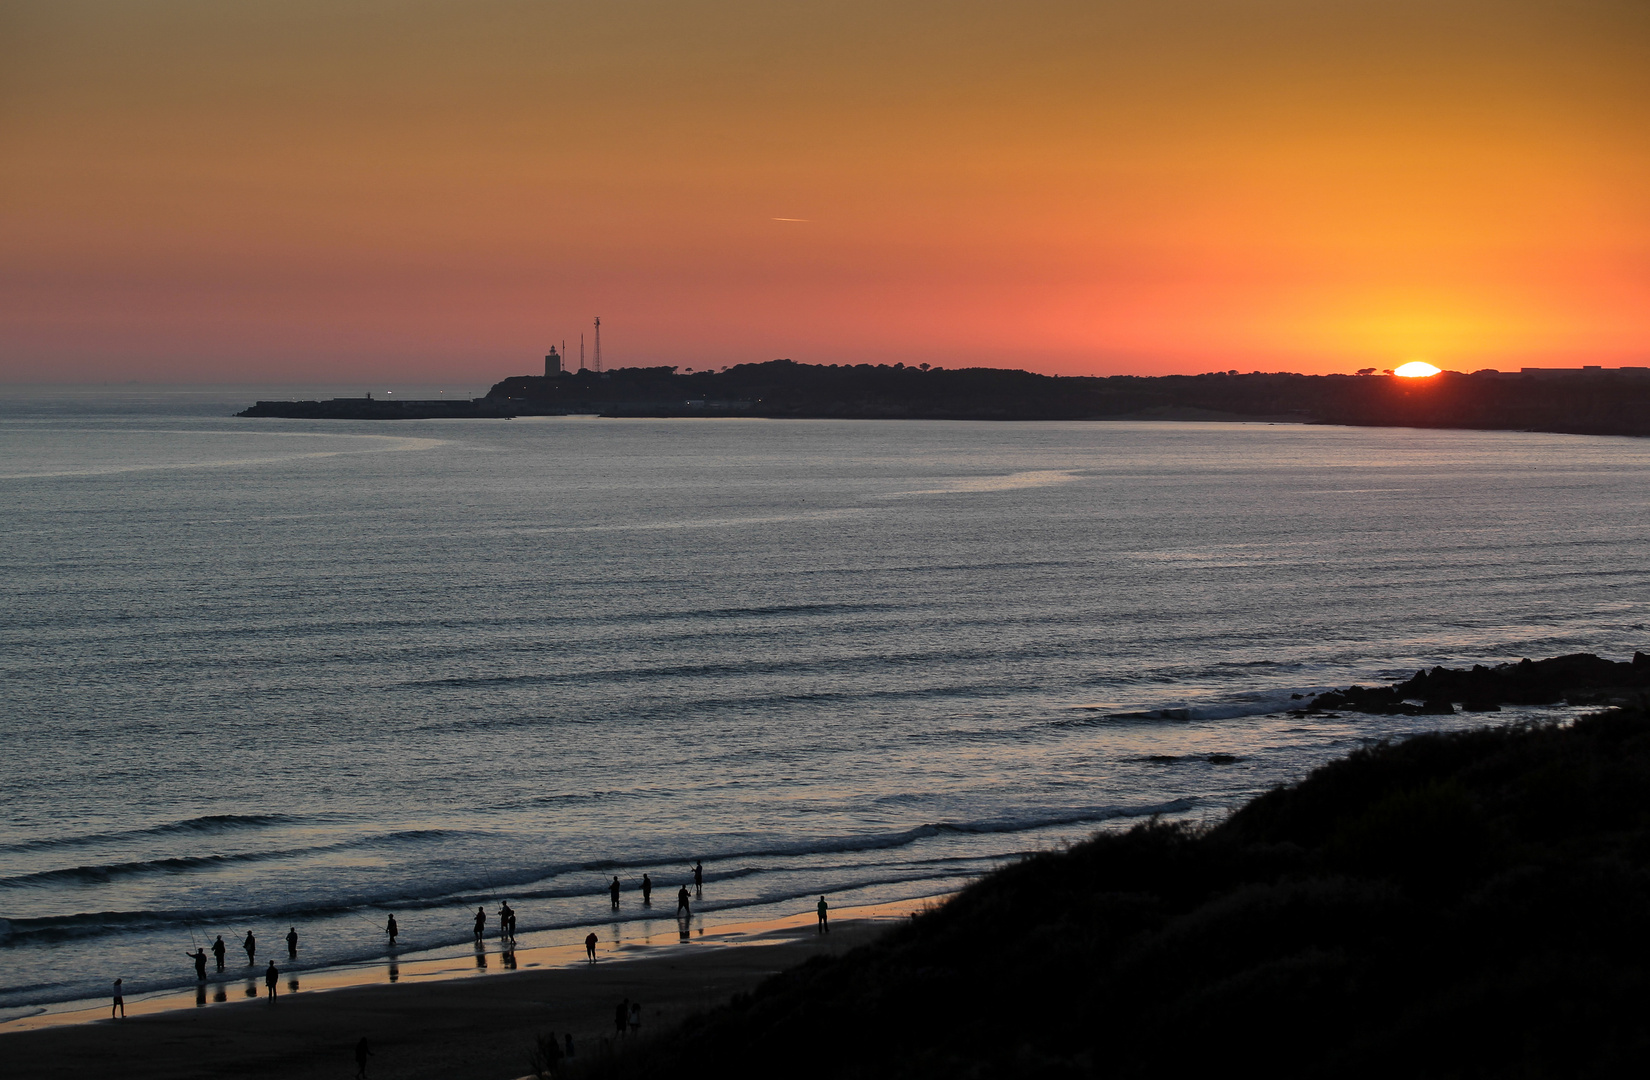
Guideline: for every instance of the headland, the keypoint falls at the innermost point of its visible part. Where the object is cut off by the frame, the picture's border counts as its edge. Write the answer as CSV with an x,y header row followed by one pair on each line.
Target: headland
x,y
1467,904
1583,401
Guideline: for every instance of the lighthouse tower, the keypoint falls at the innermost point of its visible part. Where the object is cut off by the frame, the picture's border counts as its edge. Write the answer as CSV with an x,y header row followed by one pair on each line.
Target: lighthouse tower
x,y
552,364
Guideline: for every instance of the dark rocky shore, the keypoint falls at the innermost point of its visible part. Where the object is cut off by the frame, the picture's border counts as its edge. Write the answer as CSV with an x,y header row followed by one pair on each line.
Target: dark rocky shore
x,y
1578,679
1592,403
1474,904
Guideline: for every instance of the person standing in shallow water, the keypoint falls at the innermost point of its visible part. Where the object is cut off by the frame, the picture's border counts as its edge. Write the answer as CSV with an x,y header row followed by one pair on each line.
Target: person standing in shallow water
x,y
218,949
824,926
271,977
199,957
481,923
682,902
392,930
613,891
699,876
647,891
292,943
251,947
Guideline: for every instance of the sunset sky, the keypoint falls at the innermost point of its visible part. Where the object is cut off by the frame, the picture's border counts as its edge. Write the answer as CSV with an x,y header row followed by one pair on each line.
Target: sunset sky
x,y
241,190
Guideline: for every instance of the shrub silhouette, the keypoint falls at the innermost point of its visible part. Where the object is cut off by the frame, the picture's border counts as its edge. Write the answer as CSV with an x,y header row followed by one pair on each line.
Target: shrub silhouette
x,y
1454,905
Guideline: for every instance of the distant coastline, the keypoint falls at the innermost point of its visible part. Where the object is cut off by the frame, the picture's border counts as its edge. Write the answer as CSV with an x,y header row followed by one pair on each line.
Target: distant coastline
x,y
1584,401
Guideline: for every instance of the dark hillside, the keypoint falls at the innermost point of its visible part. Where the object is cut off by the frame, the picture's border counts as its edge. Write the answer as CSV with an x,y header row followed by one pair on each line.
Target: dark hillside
x,y
1605,403
1472,904
1601,403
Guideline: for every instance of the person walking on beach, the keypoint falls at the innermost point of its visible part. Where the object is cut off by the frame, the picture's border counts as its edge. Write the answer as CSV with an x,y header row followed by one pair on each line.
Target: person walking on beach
x,y
590,946
647,891
613,891
682,902
621,1017
271,976
292,943
251,947
119,1002
199,957
391,929
218,949
481,923
362,1053
824,925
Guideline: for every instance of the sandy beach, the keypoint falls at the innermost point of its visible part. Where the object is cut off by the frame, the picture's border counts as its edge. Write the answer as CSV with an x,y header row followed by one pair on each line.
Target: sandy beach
x,y
436,1019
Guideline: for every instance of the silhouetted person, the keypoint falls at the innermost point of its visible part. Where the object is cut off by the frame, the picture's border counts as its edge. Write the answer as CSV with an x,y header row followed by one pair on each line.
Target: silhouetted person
x,y
292,943
567,1051
270,978
251,947
613,891
481,923
647,890
508,918
119,1002
199,957
391,929
635,1017
590,946
824,925
699,875
503,921
218,950
621,1017
362,1053
682,902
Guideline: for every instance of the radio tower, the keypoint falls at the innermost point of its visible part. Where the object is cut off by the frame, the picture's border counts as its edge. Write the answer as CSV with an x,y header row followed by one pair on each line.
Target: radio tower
x,y
596,350
581,352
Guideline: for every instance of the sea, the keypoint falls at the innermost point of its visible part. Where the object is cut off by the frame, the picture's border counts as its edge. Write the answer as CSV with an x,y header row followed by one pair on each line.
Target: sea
x,y
272,674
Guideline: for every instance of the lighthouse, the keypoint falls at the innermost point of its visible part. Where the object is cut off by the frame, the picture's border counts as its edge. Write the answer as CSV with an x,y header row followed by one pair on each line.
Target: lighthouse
x,y
552,364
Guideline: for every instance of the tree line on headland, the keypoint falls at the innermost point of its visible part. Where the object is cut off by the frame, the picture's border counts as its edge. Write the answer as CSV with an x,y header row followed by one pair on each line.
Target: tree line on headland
x,y
1592,402
1470,904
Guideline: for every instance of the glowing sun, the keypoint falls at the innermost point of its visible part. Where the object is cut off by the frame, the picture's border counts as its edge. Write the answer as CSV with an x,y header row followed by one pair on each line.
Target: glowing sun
x,y
1416,369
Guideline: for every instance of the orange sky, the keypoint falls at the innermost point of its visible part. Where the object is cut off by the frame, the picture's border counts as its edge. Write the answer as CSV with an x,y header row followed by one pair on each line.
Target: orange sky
x,y
241,190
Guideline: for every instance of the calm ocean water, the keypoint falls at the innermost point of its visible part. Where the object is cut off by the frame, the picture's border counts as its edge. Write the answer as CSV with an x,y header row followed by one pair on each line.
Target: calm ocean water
x,y
262,674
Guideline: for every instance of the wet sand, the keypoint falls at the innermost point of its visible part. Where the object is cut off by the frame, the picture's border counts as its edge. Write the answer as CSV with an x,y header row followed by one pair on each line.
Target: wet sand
x,y
430,1022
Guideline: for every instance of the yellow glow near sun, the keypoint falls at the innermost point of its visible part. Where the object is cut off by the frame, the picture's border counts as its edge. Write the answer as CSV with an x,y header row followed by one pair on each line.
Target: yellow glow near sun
x,y
1416,369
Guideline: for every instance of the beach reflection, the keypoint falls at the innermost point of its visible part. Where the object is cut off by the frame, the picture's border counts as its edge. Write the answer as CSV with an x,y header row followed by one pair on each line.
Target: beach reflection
x,y
395,971
220,995
251,989
200,995
292,986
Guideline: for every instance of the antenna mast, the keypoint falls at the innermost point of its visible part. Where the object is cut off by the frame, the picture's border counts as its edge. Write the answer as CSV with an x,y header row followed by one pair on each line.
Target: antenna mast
x,y
596,357
581,352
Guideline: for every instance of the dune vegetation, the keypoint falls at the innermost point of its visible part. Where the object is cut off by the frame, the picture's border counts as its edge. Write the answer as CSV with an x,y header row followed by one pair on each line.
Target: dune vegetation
x,y
1465,904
